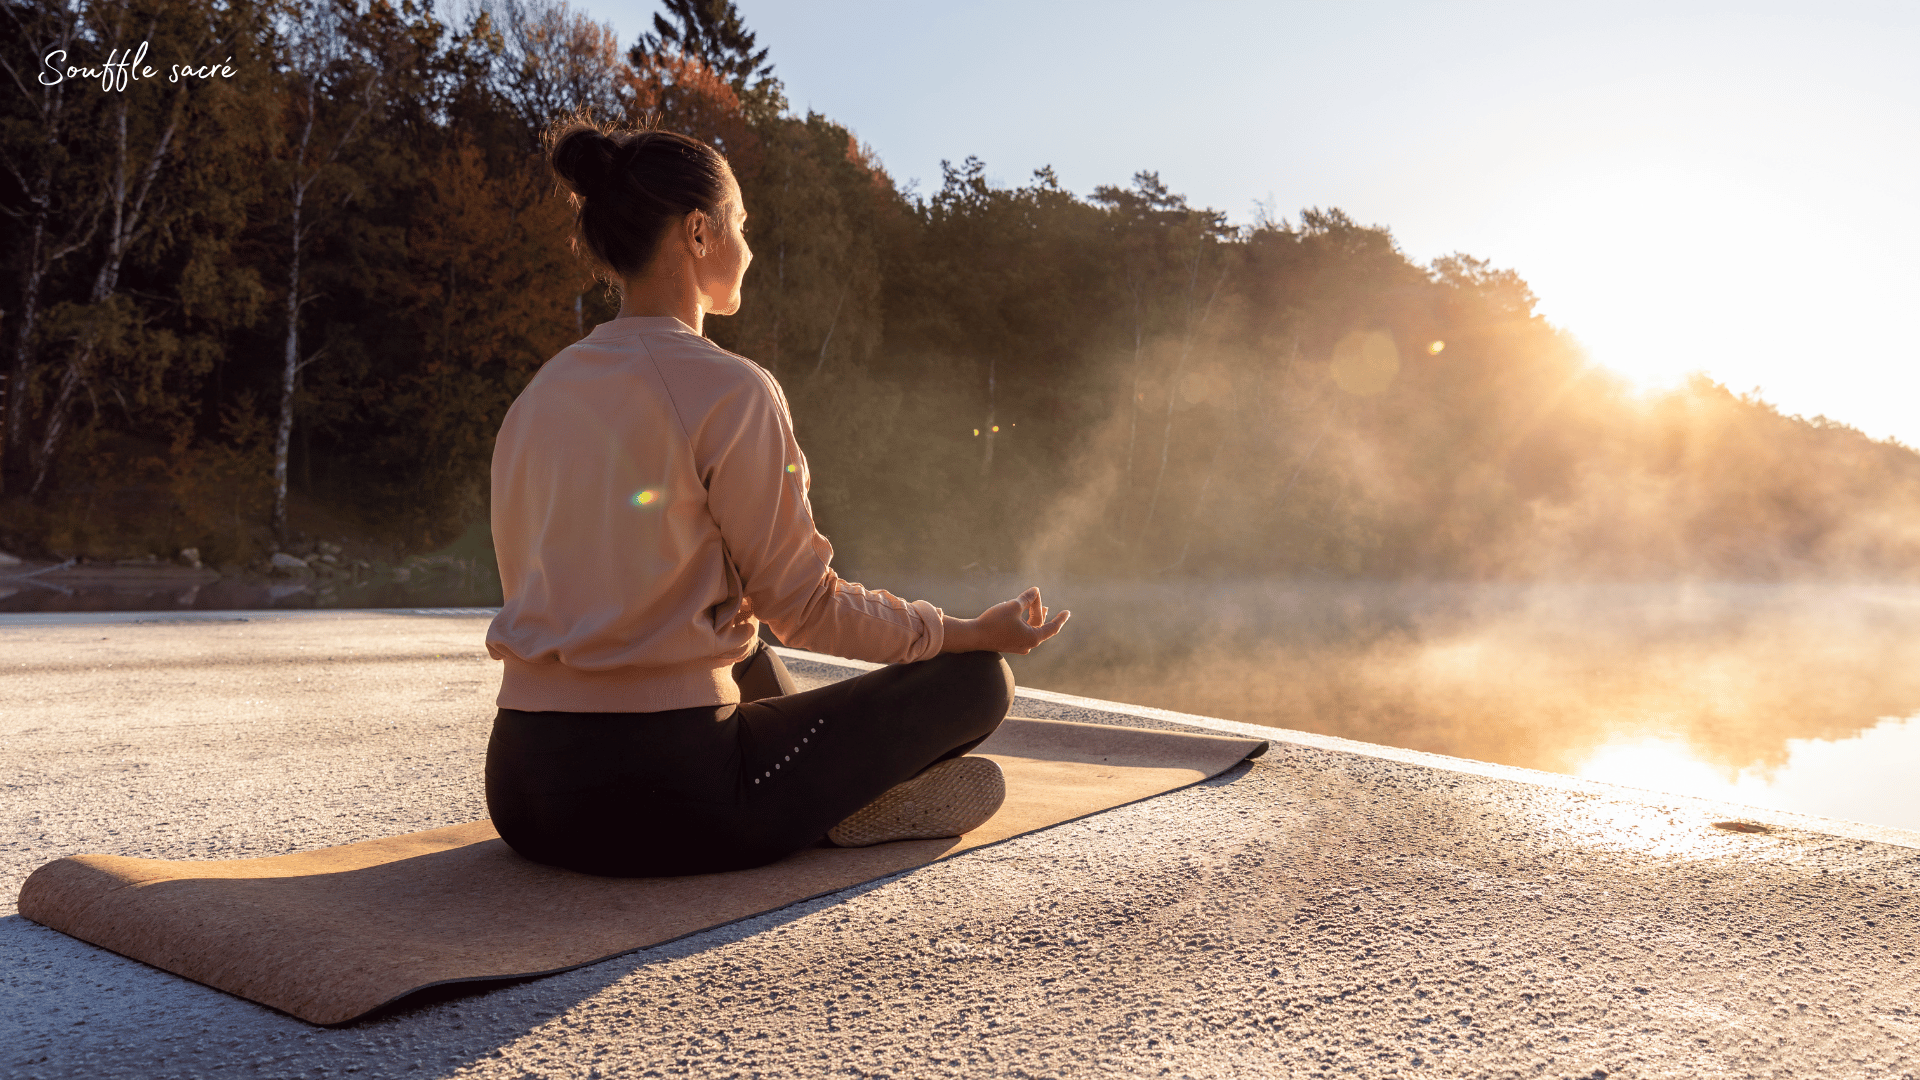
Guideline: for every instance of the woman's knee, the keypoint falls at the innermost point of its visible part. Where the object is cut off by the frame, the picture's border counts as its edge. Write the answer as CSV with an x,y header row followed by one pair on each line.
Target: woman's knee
x,y
980,682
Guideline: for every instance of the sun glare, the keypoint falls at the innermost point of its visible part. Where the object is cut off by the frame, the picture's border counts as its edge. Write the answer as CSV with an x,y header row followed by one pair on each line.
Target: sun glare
x,y
1862,778
1662,269
1657,765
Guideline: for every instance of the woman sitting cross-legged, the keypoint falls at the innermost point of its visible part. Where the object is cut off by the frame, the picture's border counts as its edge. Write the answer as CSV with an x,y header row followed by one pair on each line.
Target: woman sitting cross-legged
x,y
649,512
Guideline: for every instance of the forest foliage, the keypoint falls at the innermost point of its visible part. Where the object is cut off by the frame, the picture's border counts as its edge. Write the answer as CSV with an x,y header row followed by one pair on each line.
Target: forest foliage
x,y
298,293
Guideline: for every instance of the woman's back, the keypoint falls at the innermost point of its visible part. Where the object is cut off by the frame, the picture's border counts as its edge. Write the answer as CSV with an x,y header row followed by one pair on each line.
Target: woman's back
x,y
649,502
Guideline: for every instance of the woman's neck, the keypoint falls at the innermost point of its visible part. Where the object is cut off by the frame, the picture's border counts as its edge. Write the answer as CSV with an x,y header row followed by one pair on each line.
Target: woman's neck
x,y
664,294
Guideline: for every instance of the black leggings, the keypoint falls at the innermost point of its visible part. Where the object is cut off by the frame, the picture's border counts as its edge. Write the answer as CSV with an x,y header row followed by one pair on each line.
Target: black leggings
x,y
726,787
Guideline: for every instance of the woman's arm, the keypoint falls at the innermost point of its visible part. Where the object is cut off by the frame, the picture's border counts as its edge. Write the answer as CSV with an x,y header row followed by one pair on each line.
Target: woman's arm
x,y
757,493
757,480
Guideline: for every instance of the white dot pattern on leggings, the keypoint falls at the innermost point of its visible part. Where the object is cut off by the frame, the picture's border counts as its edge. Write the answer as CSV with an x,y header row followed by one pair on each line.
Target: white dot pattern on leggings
x,y
789,757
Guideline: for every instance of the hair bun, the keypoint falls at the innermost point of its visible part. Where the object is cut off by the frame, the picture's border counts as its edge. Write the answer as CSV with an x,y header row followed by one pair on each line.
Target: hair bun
x,y
583,159
629,186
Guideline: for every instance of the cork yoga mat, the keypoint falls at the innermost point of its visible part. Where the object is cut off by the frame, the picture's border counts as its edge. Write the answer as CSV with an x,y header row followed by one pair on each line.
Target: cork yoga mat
x,y
330,935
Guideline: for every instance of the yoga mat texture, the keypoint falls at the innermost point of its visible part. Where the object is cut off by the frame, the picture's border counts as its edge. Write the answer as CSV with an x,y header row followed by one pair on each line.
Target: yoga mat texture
x,y
330,935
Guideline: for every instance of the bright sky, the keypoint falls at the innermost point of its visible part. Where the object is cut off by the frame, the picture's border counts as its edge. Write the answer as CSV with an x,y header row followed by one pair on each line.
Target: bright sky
x,y
1723,187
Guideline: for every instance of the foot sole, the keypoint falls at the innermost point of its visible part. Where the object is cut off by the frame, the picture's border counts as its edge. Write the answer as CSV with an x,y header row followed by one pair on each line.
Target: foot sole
x,y
948,799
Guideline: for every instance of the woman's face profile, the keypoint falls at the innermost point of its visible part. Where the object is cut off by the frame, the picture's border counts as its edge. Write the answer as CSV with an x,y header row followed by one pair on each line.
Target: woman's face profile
x,y
725,264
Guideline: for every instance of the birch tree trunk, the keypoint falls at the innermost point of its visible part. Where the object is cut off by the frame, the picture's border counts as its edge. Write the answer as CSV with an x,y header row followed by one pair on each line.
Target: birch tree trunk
x,y
835,321
290,366
44,250
322,45
129,223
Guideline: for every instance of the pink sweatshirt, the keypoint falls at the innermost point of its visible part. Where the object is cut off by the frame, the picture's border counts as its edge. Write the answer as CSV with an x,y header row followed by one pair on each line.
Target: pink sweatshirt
x,y
649,510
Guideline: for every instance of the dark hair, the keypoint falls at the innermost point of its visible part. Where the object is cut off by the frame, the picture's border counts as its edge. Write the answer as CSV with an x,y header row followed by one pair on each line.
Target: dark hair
x,y
629,186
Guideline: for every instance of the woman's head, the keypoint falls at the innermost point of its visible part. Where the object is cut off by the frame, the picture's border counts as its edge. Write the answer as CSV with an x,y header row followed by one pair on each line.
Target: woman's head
x,y
649,201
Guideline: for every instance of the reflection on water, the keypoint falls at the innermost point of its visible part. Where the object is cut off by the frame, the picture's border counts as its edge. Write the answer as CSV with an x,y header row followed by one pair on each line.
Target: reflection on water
x,y
1797,697
1869,777
1793,697
441,583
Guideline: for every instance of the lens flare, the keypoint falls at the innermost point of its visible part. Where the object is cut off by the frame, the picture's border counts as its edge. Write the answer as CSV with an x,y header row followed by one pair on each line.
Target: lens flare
x,y
1366,362
645,497
793,468
996,428
976,431
1436,348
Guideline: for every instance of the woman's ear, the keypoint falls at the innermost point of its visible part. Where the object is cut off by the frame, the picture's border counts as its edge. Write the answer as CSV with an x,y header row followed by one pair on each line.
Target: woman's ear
x,y
697,229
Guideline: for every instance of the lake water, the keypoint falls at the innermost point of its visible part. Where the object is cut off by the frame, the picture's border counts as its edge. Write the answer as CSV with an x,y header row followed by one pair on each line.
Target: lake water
x,y
162,587
1803,698
1799,697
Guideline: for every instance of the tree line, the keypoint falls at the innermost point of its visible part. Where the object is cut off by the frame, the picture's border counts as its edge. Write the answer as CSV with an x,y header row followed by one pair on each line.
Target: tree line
x,y
294,292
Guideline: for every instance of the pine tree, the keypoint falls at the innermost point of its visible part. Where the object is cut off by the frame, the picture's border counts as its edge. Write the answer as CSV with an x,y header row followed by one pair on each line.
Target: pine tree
x,y
711,32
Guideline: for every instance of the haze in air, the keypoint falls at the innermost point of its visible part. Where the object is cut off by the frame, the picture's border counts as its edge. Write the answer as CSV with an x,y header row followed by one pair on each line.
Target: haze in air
x,y
1282,470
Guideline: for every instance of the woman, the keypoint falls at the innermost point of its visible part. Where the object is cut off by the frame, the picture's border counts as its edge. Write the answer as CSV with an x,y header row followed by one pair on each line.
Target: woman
x,y
649,511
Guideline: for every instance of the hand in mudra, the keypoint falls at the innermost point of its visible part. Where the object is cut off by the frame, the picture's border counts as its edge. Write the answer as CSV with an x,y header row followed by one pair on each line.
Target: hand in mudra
x,y
1013,626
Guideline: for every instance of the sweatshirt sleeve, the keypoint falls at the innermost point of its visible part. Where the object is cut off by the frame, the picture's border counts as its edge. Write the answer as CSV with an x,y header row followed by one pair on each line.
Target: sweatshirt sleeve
x,y
757,482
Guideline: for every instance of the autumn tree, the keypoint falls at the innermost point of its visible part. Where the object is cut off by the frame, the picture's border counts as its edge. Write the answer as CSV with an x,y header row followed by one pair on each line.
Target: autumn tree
x,y
50,209
712,33
333,88
551,62
487,297
143,183
238,305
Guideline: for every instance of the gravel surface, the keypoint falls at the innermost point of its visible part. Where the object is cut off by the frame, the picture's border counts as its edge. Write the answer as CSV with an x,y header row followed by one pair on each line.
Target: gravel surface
x,y
1327,910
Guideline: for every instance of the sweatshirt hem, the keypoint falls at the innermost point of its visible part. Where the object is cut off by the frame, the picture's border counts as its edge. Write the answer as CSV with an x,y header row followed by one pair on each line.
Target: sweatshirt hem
x,y
554,687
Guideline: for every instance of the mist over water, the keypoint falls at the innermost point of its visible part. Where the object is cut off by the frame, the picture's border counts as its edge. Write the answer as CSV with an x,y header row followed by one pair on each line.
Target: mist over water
x,y
1796,697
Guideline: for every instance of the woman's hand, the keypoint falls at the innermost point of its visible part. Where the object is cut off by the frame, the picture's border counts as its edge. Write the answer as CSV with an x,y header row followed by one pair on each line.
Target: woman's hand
x,y
1015,626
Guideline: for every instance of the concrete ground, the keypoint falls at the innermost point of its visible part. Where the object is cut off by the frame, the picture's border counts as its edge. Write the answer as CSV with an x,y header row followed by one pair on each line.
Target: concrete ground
x,y
1329,910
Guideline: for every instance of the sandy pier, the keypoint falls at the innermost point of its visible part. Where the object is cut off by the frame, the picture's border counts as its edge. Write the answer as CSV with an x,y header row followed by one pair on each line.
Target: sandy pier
x,y
1330,909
